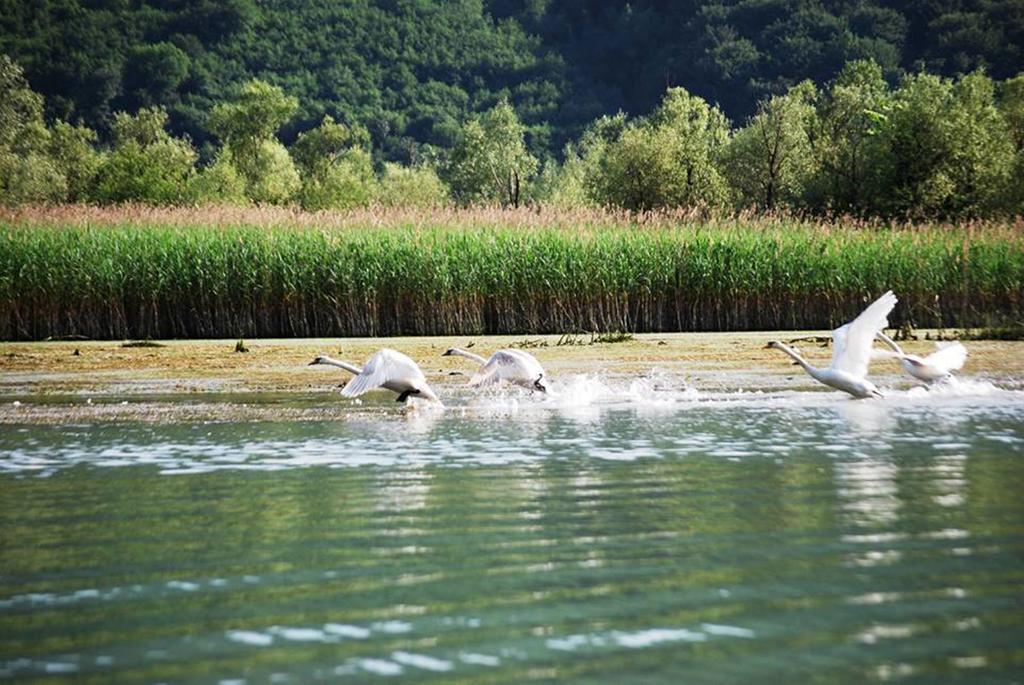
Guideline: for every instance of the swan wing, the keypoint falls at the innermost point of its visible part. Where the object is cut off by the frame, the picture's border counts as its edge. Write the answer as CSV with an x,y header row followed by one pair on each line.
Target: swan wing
x,y
948,358
852,342
508,365
385,366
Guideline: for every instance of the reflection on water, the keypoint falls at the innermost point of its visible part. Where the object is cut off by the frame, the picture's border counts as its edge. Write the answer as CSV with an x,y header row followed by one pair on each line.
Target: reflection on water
x,y
639,532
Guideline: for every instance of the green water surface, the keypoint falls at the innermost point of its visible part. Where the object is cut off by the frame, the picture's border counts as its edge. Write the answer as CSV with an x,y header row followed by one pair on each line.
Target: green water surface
x,y
771,539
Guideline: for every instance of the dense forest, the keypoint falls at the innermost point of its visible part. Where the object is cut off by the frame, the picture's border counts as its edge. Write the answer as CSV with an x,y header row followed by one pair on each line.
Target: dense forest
x,y
785,106
411,71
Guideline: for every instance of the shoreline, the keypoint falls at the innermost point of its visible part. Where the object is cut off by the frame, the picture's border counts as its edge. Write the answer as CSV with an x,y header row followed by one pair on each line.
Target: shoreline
x,y
207,380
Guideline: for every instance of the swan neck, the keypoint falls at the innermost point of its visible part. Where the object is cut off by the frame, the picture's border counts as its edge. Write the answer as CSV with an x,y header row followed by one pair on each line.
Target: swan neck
x,y
468,355
351,368
890,342
798,359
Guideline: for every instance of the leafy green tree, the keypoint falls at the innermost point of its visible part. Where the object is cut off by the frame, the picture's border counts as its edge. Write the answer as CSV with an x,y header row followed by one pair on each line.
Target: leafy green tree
x,y
638,171
698,132
24,171
146,164
218,183
418,186
563,185
948,149
1011,103
153,73
490,162
337,170
769,162
72,152
845,140
247,126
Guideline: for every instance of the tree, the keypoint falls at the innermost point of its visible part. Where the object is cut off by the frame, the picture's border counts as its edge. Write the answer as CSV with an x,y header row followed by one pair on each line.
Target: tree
x,y
1011,104
947,150
490,162
153,73
417,186
337,170
845,139
146,164
73,155
247,126
769,161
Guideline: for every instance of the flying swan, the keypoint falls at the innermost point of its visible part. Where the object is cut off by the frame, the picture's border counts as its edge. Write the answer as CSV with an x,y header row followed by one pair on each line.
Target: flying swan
x,y
385,369
851,351
936,366
514,366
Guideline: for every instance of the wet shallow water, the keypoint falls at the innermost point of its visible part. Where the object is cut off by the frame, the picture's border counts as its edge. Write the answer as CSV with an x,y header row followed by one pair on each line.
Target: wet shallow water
x,y
625,531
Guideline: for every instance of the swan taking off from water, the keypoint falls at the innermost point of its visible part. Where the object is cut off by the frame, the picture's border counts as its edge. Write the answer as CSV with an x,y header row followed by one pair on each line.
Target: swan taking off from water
x,y
936,366
385,369
851,350
514,366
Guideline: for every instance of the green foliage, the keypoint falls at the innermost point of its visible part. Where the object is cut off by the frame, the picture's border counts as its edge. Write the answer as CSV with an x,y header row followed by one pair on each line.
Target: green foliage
x,y
769,161
948,150
219,182
269,173
254,115
668,160
336,167
348,182
490,162
247,125
411,71
20,107
153,74
33,178
72,152
147,164
411,187
844,139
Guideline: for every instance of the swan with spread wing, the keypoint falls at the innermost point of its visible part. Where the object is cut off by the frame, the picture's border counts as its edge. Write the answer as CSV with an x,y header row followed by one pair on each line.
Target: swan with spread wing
x,y
511,366
385,369
935,367
851,350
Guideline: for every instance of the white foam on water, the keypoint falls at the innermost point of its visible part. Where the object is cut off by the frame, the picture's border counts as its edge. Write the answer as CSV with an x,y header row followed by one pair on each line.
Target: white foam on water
x,y
346,630
184,585
392,627
422,661
570,643
475,659
300,634
727,631
249,637
649,638
380,667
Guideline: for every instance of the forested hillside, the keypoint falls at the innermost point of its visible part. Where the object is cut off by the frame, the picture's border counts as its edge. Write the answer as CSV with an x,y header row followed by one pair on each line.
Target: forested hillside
x,y
410,71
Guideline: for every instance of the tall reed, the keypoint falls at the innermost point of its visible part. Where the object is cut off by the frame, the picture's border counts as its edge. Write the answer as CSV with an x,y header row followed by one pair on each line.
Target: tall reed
x,y
183,276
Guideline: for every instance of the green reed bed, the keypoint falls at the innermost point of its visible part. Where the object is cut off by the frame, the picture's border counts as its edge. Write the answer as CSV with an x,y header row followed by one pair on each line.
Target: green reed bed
x,y
414,276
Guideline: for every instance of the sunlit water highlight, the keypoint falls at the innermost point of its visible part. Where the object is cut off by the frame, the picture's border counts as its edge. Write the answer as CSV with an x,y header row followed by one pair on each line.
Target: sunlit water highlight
x,y
624,530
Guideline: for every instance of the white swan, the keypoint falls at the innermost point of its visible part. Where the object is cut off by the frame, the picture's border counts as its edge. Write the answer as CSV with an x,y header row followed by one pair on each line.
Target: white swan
x,y
851,351
514,366
936,366
385,369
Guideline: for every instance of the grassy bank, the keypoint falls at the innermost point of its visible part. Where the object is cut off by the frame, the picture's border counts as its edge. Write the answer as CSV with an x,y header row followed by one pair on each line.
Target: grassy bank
x,y
256,273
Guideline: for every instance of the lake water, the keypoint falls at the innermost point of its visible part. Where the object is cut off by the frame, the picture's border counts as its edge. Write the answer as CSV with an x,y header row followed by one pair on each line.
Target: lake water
x,y
628,531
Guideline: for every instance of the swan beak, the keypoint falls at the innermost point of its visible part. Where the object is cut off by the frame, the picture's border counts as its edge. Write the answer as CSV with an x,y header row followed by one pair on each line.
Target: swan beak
x,y
446,353
313,363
